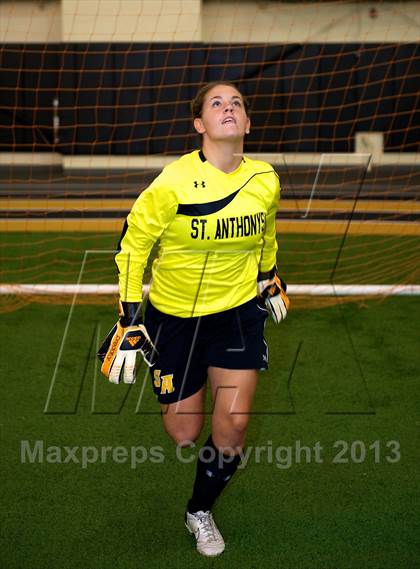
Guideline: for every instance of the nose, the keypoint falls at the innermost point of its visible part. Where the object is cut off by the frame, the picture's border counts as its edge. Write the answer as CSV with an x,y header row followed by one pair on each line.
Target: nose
x,y
228,107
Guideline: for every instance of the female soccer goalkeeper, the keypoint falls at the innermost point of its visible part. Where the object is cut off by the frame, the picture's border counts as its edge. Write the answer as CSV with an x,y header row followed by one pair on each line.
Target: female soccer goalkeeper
x,y
214,281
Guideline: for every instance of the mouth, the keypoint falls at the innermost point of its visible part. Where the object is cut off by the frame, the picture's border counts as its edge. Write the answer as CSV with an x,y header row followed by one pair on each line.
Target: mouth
x,y
229,120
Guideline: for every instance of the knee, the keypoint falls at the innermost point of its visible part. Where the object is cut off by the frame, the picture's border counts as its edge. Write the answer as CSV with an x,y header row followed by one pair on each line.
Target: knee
x,y
238,423
233,426
183,435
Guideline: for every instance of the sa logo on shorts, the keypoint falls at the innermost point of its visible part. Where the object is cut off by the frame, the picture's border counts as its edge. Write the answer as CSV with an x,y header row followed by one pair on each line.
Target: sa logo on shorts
x,y
165,382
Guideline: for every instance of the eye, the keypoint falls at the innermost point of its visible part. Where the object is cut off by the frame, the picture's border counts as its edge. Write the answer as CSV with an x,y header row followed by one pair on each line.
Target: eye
x,y
215,103
237,103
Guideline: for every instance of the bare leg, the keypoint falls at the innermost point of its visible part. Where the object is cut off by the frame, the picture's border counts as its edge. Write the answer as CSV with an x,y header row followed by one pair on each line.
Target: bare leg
x,y
184,419
233,392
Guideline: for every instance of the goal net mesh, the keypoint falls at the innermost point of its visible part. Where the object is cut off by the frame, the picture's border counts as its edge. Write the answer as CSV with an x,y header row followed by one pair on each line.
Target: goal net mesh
x,y
87,124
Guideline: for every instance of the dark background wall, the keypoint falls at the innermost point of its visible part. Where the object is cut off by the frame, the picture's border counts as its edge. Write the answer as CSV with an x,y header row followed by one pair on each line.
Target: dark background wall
x,y
134,98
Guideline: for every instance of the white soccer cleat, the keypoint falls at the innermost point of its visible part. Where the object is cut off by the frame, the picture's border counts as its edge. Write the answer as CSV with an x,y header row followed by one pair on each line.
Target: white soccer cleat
x,y
209,539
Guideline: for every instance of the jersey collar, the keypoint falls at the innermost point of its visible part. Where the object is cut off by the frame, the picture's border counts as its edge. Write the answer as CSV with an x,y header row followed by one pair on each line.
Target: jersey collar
x,y
204,159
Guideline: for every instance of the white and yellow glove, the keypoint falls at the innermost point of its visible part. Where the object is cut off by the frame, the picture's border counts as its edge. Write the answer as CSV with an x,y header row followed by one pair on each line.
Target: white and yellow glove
x,y
119,349
272,290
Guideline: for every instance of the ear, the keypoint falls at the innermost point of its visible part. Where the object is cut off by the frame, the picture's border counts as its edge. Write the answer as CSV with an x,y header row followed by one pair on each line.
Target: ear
x,y
248,127
198,125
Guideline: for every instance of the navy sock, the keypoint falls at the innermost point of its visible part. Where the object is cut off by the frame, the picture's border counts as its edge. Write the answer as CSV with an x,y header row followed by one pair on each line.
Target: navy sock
x,y
214,470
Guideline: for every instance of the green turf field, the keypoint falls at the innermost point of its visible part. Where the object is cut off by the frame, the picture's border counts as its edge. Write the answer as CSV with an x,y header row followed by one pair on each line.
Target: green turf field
x,y
57,258
345,373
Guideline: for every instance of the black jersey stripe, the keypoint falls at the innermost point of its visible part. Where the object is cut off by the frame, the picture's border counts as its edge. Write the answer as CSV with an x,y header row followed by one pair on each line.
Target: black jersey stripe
x,y
197,209
123,232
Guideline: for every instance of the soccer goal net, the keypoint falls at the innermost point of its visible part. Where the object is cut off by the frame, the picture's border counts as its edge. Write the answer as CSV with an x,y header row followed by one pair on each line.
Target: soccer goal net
x,y
95,101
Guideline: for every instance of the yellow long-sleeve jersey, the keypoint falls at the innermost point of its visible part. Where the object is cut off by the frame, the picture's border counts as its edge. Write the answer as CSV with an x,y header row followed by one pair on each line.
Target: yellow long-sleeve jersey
x,y
216,231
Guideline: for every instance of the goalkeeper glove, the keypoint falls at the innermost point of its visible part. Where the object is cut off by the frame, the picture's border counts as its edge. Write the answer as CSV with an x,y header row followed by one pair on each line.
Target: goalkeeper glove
x,y
127,337
272,290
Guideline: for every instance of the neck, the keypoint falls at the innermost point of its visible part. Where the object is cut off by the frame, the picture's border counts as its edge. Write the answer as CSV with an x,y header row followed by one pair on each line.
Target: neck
x,y
225,156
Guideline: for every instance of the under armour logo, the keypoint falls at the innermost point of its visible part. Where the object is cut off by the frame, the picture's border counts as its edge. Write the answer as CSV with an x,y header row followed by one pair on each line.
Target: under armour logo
x,y
203,184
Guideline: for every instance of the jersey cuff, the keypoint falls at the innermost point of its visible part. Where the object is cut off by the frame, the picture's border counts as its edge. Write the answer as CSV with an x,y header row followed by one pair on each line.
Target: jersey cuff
x,y
265,267
263,275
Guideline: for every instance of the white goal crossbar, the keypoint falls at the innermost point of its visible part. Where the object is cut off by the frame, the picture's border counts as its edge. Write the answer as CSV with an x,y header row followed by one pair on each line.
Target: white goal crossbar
x,y
292,289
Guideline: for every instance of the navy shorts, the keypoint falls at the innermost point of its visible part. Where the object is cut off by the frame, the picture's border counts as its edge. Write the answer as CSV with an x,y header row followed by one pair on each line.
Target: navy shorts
x,y
233,339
